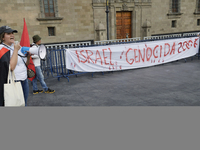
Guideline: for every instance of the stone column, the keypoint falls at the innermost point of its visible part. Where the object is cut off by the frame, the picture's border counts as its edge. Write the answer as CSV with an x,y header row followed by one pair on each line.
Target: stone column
x,y
101,32
146,28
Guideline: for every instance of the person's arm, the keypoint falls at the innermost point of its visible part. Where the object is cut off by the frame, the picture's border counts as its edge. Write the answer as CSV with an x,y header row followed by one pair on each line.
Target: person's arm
x,y
28,58
14,58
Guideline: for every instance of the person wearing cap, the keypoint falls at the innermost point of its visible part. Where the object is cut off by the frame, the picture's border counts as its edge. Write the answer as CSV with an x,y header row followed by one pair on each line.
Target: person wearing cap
x,y
9,55
39,76
5,60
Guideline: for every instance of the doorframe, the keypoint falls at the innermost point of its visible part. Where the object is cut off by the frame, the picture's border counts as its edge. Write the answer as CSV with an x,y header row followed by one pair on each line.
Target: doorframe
x,y
133,22
130,36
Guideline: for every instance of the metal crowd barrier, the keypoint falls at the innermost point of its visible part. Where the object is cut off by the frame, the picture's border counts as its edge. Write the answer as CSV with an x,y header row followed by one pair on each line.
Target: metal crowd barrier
x,y
163,37
55,63
116,41
67,45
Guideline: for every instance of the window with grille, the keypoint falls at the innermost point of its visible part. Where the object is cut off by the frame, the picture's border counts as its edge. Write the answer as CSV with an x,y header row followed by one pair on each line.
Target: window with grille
x,y
49,8
198,5
173,23
51,31
175,6
198,22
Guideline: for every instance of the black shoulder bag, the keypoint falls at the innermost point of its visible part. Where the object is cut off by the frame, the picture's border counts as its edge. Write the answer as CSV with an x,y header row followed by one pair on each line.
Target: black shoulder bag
x,y
30,72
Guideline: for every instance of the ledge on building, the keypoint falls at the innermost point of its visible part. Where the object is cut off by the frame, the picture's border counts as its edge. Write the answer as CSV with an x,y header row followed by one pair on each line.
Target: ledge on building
x,y
174,15
49,18
196,13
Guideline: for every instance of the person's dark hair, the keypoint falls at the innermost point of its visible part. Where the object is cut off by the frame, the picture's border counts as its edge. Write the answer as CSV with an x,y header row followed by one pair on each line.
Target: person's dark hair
x,y
1,37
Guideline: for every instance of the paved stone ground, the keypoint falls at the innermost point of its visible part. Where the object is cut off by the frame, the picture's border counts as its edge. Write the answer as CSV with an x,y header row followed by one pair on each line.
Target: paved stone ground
x,y
171,84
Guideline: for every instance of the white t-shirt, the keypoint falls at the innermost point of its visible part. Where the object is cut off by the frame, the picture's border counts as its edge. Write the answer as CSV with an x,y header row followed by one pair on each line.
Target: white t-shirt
x,y
20,69
35,58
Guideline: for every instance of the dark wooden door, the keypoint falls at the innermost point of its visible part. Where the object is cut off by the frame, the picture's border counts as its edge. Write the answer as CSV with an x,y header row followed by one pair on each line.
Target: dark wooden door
x,y
123,22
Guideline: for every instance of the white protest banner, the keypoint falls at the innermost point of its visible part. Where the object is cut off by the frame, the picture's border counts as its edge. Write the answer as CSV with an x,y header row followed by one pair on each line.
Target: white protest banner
x,y
129,56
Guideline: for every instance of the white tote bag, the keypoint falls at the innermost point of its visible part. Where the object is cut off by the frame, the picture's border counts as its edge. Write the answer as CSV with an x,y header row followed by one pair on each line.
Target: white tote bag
x,y
13,93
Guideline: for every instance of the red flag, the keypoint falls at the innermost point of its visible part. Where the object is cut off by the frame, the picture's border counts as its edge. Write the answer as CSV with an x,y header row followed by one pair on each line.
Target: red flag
x,y
25,37
25,42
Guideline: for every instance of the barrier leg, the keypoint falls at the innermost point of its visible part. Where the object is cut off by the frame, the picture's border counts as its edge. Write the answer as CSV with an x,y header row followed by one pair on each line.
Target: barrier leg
x,y
66,77
199,53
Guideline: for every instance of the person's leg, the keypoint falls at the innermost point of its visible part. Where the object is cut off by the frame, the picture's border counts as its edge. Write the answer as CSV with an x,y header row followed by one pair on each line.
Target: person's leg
x,y
1,95
34,83
25,88
41,78
199,50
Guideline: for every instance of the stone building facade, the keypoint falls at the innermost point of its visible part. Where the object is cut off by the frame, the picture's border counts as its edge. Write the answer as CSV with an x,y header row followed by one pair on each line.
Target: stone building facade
x,y
59,21
151,17
72,19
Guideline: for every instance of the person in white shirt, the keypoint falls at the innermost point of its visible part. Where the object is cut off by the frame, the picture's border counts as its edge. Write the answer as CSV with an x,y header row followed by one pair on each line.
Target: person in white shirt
x,y
19,67
5,60
198,34
39,75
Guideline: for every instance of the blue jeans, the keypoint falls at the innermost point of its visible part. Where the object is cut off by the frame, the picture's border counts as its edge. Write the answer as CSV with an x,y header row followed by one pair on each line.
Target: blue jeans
x,y
40,77
25,87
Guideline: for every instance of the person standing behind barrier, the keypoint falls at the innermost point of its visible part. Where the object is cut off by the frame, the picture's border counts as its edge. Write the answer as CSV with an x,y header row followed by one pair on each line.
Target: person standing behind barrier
x,y
39,75
198,34
17,63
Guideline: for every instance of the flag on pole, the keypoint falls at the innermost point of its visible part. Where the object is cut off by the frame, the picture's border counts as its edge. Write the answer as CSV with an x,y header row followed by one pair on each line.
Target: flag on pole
x,y
26,42
25,37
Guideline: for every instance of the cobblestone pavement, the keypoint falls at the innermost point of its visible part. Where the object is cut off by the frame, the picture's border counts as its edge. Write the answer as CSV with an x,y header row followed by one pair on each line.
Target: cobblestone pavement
x,y
171,84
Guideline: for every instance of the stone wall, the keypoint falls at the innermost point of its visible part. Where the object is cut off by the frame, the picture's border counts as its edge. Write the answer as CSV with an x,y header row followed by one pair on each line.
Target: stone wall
x,y
141,11
161,19
73,23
